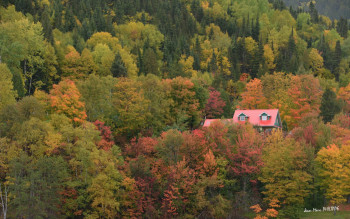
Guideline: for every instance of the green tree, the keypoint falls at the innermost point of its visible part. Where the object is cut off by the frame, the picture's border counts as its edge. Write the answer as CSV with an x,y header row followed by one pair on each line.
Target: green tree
x,y
343,27
329,106
69,20
97,92
118,68
336,60
35,186
47,27
157,93
150,62
7,94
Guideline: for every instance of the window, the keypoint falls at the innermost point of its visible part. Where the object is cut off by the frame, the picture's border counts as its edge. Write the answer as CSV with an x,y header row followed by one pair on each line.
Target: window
x,y
241,118
264,117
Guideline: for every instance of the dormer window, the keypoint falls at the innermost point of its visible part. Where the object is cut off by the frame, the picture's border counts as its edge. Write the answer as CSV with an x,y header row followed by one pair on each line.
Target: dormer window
x,y
242,117
264,117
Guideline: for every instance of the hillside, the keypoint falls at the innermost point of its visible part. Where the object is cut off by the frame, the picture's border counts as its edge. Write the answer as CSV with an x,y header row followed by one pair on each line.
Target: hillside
x,y
102,106
334,9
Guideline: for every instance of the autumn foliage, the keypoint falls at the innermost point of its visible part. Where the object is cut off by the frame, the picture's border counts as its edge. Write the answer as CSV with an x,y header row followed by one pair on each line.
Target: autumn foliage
x,y
102,106
215,104
65,99
253,97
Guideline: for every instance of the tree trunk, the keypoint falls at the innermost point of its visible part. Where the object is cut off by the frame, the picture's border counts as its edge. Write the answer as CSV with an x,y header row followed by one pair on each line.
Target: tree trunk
x,y
245,179
3,201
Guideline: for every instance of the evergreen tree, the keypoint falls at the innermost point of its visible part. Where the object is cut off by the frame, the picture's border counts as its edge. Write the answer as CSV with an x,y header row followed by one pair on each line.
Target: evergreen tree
x,y
343,27
256,30
47,27
140,62
213,67
150,62
99,19
336,60
118,68
197,10
78,41
36,185
69,20
292,58
256,60
197,54
313,12
86,30
325,51
329,105
58,16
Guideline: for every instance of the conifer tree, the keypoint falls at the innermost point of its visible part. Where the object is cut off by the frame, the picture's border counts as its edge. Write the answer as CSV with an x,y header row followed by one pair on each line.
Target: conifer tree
x,y
47,27
256,30
343,27
118,68
336,60
69,20
329,106
313,12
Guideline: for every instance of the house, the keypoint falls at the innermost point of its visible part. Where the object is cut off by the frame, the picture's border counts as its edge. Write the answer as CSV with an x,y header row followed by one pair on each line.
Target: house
x,y
263,118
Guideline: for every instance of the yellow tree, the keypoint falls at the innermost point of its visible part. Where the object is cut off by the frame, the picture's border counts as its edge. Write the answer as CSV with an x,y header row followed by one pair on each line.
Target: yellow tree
x,y
65,98
105,185
224,65
253,97
187,66
269,58
283,173
315,61
105,38
334,172
131,107
71,63
135,34
275,88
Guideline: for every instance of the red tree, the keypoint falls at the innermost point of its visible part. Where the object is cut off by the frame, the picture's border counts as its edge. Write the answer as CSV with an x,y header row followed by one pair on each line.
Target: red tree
x,y
142,146
106,141
215,104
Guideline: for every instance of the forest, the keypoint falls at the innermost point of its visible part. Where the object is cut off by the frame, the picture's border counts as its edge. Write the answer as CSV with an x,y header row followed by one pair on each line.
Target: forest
x,y
334,9
102,105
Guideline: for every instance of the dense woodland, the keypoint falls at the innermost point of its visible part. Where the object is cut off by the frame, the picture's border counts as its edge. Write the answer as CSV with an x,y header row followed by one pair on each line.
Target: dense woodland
x,y
101,104
331,8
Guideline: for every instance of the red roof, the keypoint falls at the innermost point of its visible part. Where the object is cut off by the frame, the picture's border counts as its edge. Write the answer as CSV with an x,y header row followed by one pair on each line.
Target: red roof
x,y
254,117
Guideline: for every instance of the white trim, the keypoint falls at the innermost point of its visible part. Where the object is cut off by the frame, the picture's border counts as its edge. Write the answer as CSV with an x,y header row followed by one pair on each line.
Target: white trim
x,y
264,113
242,115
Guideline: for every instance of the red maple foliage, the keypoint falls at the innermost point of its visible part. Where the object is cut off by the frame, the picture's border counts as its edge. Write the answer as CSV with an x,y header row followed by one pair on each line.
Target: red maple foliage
x,y
215,104
106,141
142,146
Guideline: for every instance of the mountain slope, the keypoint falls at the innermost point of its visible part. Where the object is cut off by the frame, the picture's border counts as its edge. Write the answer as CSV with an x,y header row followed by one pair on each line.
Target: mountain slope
x,y
331,8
